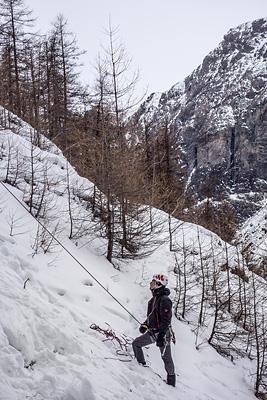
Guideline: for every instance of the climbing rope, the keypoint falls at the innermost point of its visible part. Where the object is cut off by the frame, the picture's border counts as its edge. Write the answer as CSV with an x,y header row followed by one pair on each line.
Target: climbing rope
x,y
123,341
70,254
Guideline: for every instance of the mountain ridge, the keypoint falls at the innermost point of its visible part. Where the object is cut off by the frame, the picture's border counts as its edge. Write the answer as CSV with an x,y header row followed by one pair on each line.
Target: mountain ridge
x,y
219,116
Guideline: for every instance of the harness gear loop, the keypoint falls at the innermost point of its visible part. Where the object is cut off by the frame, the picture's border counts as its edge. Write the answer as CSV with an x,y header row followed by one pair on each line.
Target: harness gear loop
x,y
173,338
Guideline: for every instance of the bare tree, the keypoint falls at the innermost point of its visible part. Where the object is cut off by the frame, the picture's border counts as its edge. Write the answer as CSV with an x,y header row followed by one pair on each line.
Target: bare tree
x,y
15,18
44,239
15,223
116,160
62,87
15,163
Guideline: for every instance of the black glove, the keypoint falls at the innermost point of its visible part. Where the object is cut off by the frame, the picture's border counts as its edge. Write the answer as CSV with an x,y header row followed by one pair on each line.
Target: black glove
x,y
143,328
160,339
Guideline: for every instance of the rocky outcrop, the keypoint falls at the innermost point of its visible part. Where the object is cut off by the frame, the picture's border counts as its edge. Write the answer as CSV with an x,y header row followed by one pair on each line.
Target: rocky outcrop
x,y
219,114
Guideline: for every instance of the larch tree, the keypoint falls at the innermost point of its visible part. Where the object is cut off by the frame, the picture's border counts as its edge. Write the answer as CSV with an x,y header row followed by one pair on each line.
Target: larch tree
x,y
116,167
15,18
62,89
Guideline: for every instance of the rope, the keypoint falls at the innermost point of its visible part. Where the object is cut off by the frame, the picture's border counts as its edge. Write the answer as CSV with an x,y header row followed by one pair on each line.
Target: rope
x,y
124,342
70,254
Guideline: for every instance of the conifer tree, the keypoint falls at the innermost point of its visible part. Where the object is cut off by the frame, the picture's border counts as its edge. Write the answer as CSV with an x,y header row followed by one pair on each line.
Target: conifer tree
x,y
114,153
15,18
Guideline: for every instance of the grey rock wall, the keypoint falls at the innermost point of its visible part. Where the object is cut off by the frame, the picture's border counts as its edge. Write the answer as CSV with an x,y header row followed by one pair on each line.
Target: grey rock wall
x,y
219,114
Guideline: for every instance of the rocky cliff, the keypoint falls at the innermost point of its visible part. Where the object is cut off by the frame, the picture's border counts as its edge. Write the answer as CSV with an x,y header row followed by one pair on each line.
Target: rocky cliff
x,y
219,115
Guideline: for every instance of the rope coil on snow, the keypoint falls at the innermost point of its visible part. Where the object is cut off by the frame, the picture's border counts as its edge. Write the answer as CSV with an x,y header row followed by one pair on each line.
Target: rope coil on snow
x,y
124,342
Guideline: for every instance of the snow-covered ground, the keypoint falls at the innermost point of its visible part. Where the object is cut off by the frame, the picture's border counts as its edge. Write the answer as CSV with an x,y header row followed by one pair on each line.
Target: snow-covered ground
x,y
254,236
48,303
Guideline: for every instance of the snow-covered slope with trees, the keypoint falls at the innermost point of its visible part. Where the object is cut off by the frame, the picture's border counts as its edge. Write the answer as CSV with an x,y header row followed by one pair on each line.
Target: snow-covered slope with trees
x,y
51,300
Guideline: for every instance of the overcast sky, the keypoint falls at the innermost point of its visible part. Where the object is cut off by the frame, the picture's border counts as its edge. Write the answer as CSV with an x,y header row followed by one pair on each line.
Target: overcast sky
x,y
166,39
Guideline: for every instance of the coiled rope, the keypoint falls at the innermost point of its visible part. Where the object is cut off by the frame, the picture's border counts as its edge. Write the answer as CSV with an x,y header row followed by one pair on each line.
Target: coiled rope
x,y
70,254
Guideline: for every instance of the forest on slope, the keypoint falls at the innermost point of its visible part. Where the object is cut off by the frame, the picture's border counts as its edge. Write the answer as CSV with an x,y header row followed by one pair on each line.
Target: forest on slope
x,y
130,166
44,204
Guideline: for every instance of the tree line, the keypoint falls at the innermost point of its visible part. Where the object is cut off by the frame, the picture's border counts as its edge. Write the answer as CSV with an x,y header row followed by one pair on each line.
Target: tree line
x,y
40,82
129,164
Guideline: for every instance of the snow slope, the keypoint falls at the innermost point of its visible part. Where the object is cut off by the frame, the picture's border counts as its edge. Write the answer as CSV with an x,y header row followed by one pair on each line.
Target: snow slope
x,y
253,234
48,303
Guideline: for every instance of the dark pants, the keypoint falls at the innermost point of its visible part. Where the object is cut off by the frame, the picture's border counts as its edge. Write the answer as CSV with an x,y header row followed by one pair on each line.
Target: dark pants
x,y
146,340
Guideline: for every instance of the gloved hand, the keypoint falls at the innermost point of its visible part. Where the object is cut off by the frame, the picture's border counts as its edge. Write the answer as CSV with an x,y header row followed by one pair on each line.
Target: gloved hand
x,y
143,328
160,339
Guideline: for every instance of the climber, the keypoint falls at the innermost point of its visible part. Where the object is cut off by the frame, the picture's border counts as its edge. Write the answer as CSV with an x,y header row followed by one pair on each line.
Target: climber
x,y
156,328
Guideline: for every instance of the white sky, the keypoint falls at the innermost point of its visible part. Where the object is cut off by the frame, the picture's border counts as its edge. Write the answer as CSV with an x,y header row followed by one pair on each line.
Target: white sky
x,y
166,39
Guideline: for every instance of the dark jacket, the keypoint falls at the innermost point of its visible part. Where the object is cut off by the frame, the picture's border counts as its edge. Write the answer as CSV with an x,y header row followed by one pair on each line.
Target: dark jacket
x,y
159,310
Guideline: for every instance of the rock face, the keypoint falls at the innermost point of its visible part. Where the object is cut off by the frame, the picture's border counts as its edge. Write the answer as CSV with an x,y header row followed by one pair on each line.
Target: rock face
x,y
219,114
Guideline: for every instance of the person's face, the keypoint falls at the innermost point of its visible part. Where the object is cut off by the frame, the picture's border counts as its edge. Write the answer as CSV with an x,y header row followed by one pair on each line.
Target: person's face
x,y
153,284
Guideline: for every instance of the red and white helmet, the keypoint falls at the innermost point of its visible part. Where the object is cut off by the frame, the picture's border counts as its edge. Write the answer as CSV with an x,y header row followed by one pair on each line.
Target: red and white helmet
x,y
161,279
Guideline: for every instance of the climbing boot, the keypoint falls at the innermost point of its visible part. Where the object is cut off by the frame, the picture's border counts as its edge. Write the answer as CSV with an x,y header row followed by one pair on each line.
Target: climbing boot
x,y
171,378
